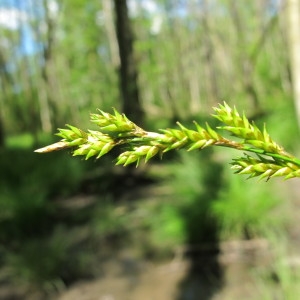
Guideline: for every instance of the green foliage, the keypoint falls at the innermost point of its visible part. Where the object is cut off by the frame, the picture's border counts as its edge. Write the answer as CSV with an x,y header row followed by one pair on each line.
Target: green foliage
x,y
24,196
166,228
49,262
36,250
23,213
55,169
195,182
282,124
182,214
186,215
24,141
246,211
109,220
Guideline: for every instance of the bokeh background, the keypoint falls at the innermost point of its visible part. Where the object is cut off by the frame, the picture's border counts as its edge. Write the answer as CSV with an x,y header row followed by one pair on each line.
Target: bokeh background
x,y
184,228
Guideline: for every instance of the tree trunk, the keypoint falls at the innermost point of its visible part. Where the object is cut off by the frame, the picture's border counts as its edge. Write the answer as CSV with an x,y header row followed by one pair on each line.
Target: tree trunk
x,y
111,32
245,65
1,135
6,80
128,73
293,26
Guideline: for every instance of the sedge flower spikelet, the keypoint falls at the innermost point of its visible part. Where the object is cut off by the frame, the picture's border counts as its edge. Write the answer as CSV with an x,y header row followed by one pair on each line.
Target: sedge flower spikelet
x,y
116,130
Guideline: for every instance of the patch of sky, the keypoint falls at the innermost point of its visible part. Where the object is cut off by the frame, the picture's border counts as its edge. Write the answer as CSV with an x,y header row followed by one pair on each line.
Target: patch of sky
x,y
18,16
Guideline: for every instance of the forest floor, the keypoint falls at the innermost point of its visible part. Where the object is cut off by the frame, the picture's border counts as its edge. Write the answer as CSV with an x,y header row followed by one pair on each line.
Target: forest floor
x,y
128,279
124,277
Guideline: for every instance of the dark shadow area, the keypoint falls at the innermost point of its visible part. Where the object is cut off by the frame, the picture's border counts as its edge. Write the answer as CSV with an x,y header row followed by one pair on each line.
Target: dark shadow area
x,y
205,276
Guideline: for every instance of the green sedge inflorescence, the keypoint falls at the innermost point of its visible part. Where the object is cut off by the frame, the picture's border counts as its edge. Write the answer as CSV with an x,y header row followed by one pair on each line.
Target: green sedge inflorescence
x,y
116,130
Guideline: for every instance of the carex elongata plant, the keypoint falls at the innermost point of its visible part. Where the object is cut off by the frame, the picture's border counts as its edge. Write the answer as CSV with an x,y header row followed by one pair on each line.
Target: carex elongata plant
x,y
116,130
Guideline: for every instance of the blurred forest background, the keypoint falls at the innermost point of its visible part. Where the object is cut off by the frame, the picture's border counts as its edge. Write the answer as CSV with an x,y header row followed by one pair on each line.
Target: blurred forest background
x,y
64,220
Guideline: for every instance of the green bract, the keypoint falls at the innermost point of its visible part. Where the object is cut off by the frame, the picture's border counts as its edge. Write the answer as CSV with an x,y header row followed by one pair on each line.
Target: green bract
x,y
116,130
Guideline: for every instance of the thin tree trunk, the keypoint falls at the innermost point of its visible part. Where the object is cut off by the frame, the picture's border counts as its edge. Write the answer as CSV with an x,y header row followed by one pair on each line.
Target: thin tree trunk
x,y
111,32
246,67
47,92
128,69
293,28
213,88
6,81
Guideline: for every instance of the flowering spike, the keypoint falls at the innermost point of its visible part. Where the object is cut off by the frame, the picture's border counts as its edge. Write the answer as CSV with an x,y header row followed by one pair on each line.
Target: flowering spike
x,y
212,132
105,149
199,128
116,130
152,152
197,145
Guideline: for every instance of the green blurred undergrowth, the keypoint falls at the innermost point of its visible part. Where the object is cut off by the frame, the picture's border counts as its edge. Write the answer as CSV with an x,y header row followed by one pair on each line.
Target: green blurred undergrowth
x,y
38,238
50,245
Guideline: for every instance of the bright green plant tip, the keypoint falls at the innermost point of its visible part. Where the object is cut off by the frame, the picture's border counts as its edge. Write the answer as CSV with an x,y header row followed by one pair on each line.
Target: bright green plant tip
x,y
116,130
